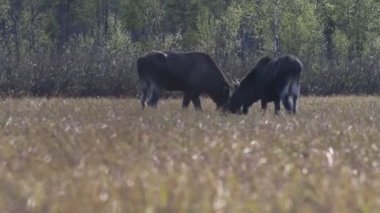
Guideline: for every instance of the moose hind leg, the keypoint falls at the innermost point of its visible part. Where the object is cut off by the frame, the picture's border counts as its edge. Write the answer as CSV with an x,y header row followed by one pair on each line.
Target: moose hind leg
x,y
287,103
144,96
295,91
285,91
142,99
264,105
144,85
295,99
155,95
186,100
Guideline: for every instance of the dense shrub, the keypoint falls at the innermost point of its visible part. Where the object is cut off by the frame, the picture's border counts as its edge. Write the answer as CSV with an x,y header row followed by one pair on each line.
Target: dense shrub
x,y
89,48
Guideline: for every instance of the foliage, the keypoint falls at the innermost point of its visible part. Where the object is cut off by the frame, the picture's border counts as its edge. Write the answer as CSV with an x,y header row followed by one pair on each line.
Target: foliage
x,y
88,48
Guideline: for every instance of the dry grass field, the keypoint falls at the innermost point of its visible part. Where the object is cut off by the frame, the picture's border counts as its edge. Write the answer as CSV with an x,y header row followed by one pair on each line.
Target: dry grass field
x,y
107,155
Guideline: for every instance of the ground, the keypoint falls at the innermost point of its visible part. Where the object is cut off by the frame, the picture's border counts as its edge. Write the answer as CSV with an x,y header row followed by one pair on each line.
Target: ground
x,y
108,155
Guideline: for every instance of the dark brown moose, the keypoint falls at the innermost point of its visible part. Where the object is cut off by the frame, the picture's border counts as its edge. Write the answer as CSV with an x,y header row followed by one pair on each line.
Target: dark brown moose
x,y
272,79
193,73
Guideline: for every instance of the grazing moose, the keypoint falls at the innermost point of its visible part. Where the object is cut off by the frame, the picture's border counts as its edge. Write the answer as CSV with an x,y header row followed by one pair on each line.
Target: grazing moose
x,y
272,79
193,73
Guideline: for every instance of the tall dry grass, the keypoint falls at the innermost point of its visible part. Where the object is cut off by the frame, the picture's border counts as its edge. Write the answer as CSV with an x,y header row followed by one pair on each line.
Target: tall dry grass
x,y
107,155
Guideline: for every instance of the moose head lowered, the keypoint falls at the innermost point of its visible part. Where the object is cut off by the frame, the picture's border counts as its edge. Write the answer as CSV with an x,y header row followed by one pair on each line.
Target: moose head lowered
x,y
193,73
272,79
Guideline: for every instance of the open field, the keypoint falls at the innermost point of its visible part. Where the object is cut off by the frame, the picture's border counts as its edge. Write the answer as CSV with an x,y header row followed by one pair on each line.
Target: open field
x,y
107,155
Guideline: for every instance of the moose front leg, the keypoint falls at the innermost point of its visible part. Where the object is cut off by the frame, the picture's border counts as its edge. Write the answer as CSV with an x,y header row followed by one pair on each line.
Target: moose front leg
x,y
277,106
197,102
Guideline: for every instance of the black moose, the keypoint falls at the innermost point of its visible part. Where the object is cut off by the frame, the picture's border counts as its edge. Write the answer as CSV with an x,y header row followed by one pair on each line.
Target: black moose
x,y
272,79
193,73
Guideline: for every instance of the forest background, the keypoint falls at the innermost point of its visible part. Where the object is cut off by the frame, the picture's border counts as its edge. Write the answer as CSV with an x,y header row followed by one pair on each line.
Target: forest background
x,y
79,48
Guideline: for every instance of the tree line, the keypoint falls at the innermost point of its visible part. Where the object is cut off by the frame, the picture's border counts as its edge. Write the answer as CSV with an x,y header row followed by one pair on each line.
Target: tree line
x,y
82,48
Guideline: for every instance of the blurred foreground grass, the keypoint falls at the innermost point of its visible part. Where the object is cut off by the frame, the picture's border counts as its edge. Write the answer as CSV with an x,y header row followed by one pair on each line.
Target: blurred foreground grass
x,y
107,155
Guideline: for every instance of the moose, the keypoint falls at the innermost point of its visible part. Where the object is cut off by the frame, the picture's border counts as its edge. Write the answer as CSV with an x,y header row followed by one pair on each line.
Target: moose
x,y
193,73
271,79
